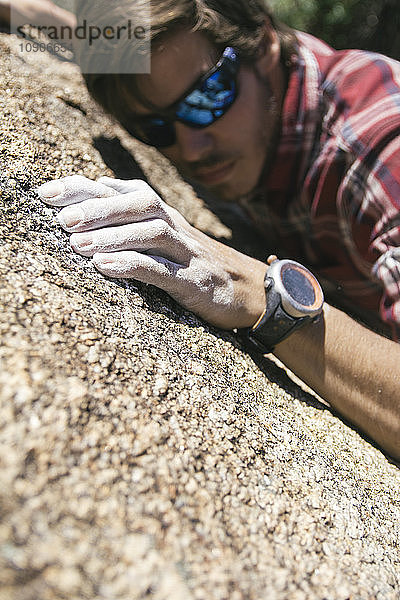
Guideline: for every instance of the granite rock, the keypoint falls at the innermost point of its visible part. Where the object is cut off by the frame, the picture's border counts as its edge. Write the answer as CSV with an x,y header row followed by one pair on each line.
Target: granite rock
x,y
143,453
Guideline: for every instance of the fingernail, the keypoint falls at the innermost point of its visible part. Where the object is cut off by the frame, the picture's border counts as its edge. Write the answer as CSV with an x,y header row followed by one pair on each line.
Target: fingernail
x,y
51,189
81,240
70,216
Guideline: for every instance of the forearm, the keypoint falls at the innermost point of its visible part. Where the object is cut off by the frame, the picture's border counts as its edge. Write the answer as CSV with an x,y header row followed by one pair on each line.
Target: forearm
x,y
354,369
130,232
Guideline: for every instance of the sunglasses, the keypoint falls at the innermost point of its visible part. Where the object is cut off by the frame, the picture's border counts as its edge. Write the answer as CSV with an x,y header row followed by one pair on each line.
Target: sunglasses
x,y
208,100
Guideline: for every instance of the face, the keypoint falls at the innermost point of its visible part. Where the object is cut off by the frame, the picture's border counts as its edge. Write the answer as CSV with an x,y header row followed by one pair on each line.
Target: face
x,y
228,156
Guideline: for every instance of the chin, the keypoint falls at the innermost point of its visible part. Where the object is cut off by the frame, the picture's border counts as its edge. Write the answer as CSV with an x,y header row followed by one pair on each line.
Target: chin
x,y
233,191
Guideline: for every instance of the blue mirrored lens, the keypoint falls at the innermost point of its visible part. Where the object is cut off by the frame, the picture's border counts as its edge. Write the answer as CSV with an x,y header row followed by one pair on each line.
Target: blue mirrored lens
x,y
208,101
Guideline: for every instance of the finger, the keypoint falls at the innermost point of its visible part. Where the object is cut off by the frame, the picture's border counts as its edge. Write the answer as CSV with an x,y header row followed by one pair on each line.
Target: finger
x,y
139,187
124,186
154,235
73,189
117,210
154,270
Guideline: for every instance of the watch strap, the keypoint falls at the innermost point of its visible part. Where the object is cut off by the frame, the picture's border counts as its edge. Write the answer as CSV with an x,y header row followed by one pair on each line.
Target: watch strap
x,y
274,325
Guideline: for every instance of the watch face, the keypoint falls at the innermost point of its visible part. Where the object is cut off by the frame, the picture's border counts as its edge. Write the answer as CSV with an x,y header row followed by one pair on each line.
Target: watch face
x,y
301,294
298,286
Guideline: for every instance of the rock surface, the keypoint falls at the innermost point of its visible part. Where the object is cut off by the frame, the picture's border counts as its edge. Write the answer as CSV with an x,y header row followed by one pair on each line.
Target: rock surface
x,y
142,453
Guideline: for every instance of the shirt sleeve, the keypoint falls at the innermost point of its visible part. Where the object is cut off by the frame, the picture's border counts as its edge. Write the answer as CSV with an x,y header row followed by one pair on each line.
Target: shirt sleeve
x,y
387,270
379,170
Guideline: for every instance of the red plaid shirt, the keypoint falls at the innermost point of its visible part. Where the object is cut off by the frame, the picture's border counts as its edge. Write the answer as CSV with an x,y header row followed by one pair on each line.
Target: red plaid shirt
x,y
332,196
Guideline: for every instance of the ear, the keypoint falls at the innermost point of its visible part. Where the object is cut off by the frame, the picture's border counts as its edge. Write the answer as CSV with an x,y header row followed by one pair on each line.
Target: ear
x,y
269,56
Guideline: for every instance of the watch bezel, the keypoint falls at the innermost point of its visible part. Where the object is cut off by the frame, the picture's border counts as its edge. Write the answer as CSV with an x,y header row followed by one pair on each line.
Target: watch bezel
x,y
289,304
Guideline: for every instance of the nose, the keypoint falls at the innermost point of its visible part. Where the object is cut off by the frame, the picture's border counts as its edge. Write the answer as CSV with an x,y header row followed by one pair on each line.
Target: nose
x,y
193,144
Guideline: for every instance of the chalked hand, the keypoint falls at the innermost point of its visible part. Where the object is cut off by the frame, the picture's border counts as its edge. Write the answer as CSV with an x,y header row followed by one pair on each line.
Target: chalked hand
x,y
130,232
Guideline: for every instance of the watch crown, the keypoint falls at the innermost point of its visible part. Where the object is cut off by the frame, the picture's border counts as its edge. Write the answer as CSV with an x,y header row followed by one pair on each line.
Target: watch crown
x,y
271,258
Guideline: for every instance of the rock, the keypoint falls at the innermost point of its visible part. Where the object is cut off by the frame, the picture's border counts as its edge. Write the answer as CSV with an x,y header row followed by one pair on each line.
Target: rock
x,y
143,452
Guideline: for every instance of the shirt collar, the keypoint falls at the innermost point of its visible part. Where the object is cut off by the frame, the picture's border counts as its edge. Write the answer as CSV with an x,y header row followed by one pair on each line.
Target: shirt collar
x,y
301,114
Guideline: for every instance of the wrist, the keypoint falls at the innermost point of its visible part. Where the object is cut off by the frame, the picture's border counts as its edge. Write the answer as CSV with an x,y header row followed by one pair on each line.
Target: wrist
x,y
250,299
294,299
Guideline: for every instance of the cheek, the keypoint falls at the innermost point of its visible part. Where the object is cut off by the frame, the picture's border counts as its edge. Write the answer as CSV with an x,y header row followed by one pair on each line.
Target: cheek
x,y
251,112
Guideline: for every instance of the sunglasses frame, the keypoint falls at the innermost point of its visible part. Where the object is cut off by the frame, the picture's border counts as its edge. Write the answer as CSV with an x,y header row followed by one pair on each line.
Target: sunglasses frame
x,y
228,62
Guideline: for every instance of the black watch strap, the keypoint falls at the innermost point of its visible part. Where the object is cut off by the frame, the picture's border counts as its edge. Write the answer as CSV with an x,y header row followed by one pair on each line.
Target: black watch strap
x,y
273,326
293,298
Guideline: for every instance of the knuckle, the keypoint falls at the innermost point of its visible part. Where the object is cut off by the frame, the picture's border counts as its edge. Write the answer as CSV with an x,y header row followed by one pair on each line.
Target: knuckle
x,y
162,230
142,187
151,197
146,200
155,204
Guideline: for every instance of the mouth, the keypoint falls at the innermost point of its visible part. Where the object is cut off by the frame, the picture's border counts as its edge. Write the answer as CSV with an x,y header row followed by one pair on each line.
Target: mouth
x,y
214,175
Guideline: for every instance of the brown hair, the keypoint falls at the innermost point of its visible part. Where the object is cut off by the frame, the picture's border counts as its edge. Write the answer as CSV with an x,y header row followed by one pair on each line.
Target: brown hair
x,y
236,23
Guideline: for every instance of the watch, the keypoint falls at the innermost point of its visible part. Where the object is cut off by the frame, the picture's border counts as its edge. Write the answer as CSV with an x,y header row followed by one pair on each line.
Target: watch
x,y
293,298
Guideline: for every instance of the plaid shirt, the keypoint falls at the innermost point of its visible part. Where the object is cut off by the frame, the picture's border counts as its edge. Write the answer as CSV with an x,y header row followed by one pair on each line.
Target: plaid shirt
x,y
332,196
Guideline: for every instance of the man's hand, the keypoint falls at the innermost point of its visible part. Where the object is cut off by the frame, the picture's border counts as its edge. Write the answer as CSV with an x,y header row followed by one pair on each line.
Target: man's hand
x,y
129,232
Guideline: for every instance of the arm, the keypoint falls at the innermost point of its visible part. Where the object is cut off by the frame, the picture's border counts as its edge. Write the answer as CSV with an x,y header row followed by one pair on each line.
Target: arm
x,y
35,12
352,368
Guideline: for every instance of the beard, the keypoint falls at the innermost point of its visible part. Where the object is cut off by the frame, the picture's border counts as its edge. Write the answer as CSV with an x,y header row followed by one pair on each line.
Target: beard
x,y
265,144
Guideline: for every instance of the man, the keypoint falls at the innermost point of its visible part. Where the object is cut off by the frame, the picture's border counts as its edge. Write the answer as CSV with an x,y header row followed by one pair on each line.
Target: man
x,y
307,140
